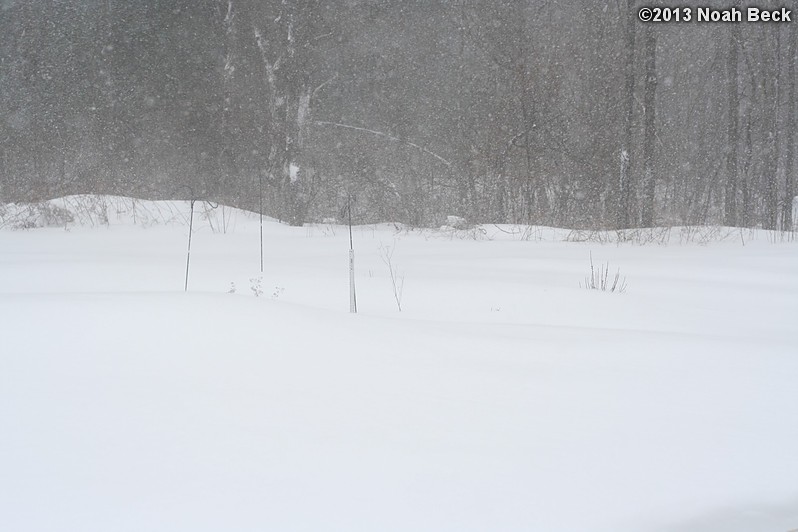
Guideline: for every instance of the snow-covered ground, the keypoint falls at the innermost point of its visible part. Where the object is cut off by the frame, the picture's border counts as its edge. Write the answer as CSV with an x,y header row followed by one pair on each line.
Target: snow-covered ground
x,y
503,396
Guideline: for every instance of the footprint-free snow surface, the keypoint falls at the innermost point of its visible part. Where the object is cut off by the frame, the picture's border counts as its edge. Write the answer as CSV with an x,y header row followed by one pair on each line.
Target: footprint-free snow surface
x,y
503,397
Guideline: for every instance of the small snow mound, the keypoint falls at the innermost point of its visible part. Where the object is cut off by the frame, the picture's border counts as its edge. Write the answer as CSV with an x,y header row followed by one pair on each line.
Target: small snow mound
x,y
32,215
100,210
456,222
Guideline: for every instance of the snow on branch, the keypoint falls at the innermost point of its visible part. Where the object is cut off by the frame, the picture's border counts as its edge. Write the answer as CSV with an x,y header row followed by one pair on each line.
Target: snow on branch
x,y
387,136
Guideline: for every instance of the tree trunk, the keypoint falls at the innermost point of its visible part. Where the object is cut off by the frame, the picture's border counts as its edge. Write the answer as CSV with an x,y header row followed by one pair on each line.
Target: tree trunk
x,y
789,171
747,215
730,200
625,182
286,47
772,168
650,105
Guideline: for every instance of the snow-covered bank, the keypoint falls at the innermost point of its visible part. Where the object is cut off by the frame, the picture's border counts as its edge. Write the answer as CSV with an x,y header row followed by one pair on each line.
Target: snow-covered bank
x,y
503,397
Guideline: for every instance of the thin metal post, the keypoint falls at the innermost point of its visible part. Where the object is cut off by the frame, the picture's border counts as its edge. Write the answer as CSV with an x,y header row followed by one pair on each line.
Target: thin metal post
x,y
352,296
188,253
260,192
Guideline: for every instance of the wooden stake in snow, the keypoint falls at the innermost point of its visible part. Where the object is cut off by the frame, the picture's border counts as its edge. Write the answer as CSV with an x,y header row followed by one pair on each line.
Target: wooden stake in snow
x,y
352,296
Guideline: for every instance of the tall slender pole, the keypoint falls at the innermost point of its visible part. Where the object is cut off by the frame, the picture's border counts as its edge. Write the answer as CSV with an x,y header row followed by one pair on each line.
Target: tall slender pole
x,y
260,193
352,296
188,253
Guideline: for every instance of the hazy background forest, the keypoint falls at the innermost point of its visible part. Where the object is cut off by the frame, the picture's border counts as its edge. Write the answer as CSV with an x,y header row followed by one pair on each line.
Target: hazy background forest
x,y
570,114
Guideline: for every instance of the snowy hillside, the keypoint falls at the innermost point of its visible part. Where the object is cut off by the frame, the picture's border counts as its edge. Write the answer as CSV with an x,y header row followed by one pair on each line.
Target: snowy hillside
x,y
504,395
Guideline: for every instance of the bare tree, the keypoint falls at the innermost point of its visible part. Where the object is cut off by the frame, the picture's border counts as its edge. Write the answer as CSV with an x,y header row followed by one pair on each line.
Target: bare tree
x,y
649,125
626,184
286,34
789,170
732,82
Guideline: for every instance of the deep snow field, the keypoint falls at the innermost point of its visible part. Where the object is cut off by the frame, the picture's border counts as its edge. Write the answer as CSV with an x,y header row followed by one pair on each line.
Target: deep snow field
x,y
503,397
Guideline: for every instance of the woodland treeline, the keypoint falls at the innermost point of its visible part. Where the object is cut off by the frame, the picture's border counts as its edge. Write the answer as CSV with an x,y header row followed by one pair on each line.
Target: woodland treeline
x,y
571,114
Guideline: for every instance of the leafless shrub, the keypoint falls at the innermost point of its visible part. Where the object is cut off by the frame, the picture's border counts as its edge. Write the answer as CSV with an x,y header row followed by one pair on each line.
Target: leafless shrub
x,y
599,279
528,233
590,235
256,285
644,235
704,234
397,279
